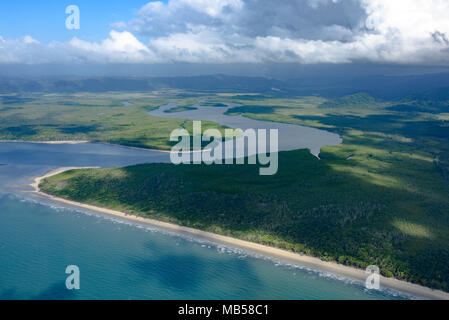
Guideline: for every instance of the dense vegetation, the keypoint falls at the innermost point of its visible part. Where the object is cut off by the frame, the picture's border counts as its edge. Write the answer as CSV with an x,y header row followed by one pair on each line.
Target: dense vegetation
x,y
382,197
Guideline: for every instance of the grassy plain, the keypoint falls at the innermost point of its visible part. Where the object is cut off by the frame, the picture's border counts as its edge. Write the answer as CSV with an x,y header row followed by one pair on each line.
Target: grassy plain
x,y
104,117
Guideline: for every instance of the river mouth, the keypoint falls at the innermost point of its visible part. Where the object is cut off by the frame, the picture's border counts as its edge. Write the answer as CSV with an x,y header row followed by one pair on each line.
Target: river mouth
x,y
291,137
62,235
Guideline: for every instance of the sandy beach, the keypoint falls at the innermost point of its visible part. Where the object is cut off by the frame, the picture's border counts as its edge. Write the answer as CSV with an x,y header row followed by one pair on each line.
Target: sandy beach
x,y
97,142
49,142
283,255
81,142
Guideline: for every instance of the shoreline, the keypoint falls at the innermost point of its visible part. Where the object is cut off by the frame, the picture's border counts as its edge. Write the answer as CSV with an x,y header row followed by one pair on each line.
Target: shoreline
x,y
81,142
284,255
47,142
97,142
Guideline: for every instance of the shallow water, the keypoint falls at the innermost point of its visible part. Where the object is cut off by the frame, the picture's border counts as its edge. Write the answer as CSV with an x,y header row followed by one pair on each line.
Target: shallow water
x,y
120,260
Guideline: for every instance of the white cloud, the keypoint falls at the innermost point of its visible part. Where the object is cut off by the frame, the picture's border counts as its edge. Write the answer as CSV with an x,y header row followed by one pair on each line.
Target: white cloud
x,y
222,31
29,39
316,3
212,8
23,50
119,47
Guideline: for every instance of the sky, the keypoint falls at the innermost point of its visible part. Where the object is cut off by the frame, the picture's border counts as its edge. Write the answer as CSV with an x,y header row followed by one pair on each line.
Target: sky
x,y
302,32
44,20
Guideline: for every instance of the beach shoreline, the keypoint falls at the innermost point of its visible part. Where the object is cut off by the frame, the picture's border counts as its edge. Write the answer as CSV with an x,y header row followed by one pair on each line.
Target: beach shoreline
x,y
82,142
47,142
287,256
98,142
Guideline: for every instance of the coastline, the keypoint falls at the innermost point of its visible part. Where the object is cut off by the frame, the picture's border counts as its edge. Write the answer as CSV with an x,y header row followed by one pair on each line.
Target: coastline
x,y
47,142
97,142
287,256
81,142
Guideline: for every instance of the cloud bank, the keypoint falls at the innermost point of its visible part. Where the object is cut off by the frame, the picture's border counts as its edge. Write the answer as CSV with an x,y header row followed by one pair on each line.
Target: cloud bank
x,y
259,31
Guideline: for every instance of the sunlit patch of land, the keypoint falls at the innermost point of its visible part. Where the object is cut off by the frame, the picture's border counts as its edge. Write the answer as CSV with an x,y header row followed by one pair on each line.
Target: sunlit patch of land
x,y
413,229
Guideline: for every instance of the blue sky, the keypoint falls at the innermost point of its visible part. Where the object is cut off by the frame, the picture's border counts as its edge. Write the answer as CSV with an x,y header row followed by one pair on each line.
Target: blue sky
x,y
405,32
44,20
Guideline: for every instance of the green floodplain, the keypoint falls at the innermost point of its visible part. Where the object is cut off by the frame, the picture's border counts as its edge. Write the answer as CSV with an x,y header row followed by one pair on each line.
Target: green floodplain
x,y
381,197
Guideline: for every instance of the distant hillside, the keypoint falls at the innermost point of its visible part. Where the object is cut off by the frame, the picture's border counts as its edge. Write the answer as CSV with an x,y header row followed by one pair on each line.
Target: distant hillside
x,y
436,94
428,87
384,87
216,83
